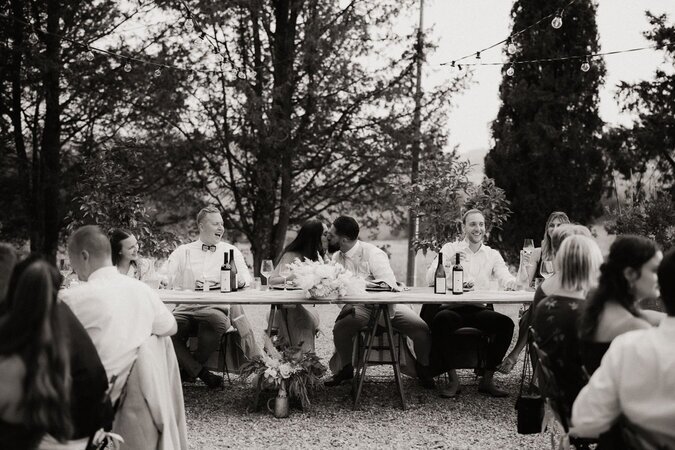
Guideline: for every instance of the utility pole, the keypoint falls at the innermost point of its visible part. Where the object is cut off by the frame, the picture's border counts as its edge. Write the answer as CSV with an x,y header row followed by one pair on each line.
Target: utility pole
x,y
417,125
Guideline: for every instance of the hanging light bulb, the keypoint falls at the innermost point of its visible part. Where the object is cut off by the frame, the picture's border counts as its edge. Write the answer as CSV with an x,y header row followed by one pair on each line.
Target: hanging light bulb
x,y
191,76
189,26
33,39
585,66
452,64
90,56
127,67
557,21
477,55
157,72
511,48
510,71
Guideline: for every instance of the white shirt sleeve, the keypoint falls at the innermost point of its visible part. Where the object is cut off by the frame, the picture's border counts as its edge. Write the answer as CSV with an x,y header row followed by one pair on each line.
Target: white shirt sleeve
x,y
597,405
175,262
242,268
500,270
380,267
163,320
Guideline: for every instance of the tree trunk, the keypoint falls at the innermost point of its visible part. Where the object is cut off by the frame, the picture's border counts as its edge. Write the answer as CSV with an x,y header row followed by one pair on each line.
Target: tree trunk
x,y
50,162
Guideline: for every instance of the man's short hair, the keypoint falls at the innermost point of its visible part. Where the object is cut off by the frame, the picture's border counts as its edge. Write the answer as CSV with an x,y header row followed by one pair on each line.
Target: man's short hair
x,y
204,211
667,281
346,226
471,211
91,239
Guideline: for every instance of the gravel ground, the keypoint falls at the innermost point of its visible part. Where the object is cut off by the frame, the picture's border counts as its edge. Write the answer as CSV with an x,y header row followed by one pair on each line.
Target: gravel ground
x,y
220,418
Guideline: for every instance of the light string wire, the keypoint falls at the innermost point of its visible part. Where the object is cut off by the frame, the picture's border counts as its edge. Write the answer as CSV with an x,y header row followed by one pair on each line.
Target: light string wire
x,y
558,13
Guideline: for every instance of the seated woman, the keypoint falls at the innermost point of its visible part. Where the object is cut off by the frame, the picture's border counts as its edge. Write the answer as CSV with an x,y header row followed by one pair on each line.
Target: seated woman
x,y
546,288
124,247
298,325
628,276
555,318
52,382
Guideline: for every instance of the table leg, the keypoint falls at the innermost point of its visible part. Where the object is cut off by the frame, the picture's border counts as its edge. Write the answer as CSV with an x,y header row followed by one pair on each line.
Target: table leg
x,y
394,356
363,365
273,315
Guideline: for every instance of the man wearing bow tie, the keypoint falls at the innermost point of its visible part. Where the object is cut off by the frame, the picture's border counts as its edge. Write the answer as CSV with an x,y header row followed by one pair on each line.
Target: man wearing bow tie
x,y
357,256
203,258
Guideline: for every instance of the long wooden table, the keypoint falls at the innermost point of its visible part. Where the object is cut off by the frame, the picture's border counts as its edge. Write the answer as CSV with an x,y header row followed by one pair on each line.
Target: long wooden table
x,y
380,301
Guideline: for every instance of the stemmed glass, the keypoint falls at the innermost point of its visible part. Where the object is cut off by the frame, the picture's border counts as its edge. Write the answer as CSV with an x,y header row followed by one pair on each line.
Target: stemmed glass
x,y
528,246
546,269
266,269
285,272
65,270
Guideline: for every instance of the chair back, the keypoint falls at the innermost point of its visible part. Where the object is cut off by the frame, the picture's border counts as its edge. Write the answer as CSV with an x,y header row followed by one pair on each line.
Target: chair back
x,y
549,385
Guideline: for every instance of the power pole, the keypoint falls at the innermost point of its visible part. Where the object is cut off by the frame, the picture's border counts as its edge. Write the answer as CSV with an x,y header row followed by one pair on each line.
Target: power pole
x,y
417,125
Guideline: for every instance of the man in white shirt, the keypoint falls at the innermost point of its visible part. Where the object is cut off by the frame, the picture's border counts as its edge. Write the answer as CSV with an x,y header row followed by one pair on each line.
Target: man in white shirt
x,y
203,259
636,378
119,312
482,265
359,257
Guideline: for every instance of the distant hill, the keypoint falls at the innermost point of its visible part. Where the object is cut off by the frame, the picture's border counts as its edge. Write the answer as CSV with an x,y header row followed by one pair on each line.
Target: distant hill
x,y
475,157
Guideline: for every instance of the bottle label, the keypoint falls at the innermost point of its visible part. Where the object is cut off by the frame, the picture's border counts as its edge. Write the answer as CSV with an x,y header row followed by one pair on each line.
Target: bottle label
x,y
457,282
225,282
440,285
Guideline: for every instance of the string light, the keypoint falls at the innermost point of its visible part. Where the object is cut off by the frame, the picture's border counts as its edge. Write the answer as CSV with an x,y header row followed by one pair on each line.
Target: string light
x,y
33,39
127,67
585,66
511,48
89,56
510,71
477,55
157,73
557,21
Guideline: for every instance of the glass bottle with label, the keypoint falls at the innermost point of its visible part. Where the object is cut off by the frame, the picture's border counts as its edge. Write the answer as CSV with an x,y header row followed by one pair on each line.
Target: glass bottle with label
x,y
457,277
225,271
234,281
440,284
188,282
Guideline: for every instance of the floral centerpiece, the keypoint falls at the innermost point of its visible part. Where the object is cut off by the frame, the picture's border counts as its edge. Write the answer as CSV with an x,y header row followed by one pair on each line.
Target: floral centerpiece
x,y
326,279
290,371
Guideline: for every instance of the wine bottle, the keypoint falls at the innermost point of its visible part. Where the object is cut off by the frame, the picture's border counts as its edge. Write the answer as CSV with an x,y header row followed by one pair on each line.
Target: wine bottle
x,y
225,272
457,277
440,286
234,281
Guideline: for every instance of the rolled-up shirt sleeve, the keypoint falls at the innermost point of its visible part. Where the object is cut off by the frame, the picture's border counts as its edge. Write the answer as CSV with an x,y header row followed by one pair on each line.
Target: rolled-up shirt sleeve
x,y
597,406
381,269
500,270
242,268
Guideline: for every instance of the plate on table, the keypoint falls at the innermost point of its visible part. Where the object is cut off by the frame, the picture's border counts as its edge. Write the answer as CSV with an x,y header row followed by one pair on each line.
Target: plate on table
x,y
378,289
289,287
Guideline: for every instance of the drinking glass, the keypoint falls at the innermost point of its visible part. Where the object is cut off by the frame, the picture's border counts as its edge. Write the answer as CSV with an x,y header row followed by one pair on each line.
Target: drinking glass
x,y
65,270
528,246
285,272
546,269
266,269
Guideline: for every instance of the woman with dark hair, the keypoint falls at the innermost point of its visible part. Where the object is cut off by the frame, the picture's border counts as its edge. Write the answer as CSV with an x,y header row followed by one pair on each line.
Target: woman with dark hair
x,y
52,382
298,325
628,276
124,251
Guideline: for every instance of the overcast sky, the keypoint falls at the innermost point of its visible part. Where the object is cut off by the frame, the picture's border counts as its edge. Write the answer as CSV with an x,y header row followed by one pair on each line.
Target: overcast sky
x,y
461,27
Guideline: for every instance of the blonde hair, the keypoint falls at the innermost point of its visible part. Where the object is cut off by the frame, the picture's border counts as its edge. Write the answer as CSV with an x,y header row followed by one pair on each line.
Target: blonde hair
x,y
578,261
547,249
564,231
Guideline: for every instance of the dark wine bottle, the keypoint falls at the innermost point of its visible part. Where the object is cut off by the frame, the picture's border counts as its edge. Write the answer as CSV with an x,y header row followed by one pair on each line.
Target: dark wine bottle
x,y
234,282
225,272
457,277
440,284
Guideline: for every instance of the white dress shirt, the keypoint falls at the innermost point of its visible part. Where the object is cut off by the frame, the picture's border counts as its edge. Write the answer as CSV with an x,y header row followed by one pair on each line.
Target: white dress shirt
x,y
481,267
119,314
378,262
637,379
205,265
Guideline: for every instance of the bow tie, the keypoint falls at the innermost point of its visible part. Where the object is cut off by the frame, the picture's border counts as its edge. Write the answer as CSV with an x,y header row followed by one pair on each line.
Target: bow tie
x,y
208,248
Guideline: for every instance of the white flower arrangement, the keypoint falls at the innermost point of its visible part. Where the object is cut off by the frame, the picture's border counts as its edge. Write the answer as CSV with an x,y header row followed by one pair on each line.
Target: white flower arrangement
x,y
326,279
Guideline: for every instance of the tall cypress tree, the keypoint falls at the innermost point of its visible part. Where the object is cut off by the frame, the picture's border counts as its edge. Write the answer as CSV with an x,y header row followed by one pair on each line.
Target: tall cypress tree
x,y
546,153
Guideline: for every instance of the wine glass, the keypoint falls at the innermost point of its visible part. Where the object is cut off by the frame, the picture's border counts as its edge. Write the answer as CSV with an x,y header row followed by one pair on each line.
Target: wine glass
x,y
65,270
546,269
528,246
266,269
285,272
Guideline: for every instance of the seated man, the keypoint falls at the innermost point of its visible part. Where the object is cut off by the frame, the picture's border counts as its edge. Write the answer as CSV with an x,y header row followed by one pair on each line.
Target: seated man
x,y
481,265
353,254
118,312
635,378
203,259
